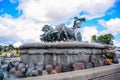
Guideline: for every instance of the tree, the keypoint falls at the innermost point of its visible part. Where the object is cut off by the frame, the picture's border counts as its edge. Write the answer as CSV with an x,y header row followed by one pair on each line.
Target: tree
x,y
5,49
104,39
1,49
17,51
8,47
11,47
94,38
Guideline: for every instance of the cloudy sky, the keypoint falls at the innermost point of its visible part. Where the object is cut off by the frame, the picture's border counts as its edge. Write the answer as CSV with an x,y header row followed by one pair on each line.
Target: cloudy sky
x,y
21,20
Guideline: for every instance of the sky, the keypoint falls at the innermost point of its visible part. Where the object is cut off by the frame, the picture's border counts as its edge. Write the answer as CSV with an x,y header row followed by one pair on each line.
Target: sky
x,y
21,20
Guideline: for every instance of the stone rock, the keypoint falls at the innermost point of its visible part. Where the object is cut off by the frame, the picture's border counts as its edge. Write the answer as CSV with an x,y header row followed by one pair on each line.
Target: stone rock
x,y
19,74
10,66
110,54
12,76
2,61
30,68
101,62
16,64
49,68
23,70
21,65
44,72
115,60
88,65
78,65
13,70
39,67
59,68
4,67
96,63
54,72
108,61
67,68
33,73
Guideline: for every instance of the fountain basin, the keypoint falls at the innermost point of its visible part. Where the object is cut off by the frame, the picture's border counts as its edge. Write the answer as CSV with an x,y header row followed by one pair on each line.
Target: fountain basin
x,y
60,52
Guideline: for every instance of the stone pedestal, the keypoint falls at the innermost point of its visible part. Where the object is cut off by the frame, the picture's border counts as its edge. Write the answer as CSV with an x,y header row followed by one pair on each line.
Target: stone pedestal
x,y
60,53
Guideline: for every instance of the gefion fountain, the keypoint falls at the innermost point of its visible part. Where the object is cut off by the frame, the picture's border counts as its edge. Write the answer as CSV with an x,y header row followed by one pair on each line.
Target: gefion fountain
x,y
61,53
62,46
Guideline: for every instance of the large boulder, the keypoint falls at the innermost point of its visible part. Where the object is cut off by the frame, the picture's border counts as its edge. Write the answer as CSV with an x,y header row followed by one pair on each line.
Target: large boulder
x,y
13,70
31,67
21,65
88,65
59,68
78,65
23,70
19,74
49,68
10,66
67,68
16,63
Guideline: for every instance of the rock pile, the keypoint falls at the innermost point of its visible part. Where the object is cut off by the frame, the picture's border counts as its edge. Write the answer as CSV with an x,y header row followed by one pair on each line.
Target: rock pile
x,y
19,69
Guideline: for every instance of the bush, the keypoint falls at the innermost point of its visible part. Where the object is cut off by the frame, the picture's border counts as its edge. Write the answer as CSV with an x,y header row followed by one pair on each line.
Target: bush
x,y
1,52
18,53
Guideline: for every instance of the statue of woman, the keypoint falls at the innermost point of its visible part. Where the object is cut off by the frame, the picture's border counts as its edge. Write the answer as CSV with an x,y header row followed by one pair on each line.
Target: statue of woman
x,y
76,28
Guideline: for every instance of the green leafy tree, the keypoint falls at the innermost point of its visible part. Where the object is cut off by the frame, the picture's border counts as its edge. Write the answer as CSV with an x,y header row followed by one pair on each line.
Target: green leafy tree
x,y
94,38
17,51
10,47
1,49
5,48
105,39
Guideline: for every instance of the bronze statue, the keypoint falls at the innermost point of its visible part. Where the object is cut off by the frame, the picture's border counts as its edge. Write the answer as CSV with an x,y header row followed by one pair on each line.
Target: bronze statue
x,y
49,35
62,32
76,28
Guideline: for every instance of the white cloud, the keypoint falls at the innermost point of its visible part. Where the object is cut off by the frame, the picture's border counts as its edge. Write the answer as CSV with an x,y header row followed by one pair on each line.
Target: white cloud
x,y
113,26
116,43
20,29
60,10
87,32
102,22
17,44
36,13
